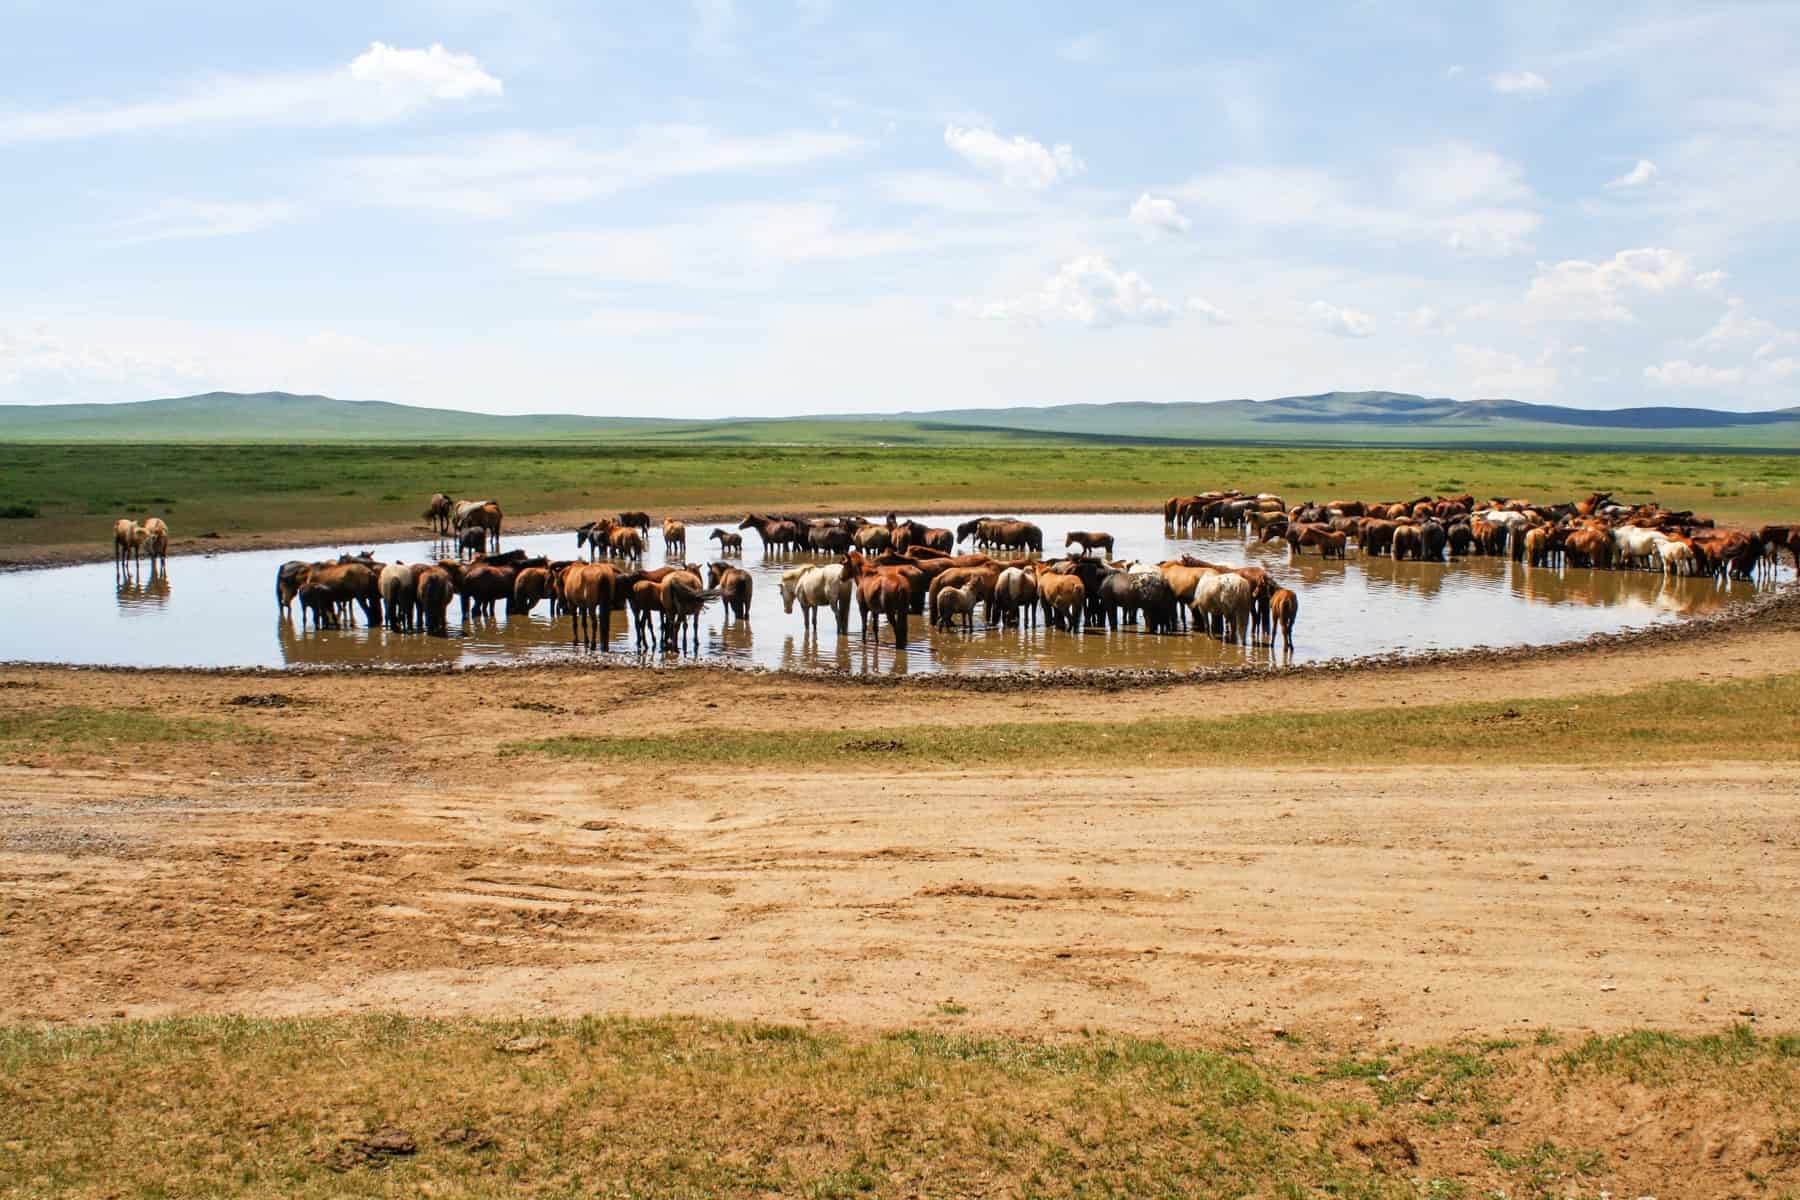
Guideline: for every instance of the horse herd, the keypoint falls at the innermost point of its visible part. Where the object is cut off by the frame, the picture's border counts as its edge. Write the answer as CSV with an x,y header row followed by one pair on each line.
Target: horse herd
x,y
897,569
1592,532
891,570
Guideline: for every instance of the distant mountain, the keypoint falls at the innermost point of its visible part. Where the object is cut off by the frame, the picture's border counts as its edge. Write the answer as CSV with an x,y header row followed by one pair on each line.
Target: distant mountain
x,y
283,416
1307,418
1331,418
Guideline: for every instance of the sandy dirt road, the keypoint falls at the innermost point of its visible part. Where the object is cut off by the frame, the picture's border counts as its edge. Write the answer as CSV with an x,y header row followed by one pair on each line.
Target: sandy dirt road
x,y
375,852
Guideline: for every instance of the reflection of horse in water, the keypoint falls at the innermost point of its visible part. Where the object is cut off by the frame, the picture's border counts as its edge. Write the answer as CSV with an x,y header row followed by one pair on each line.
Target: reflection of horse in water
x,y
142,595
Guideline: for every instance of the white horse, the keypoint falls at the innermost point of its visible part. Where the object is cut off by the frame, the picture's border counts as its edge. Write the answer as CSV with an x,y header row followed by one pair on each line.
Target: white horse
x,y
1226,596
816,587
1015,596
1636,546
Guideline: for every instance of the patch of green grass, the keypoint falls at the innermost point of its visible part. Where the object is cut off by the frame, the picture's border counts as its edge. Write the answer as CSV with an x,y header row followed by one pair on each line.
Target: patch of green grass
x,y
1739,720
81,726
79,488
225,1106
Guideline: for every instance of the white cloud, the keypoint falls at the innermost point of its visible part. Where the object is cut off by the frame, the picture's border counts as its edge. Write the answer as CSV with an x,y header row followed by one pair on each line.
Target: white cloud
x,y
1637,177
434,73
1089,291
178,220
1453,71
1089,47
1680,373
1344,322
1519,83
1019,161
1208,312
502,173
1580,290
52,365
1738,327
384,83
1158,214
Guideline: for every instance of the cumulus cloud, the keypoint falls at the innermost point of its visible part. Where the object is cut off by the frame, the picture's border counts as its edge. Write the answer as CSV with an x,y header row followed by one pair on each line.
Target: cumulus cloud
x,y
434,73
1519,83
1017,161
1200,307
1344,322
1577,289
1637,177
1738,327
1158,214
1088,291
52,364
384,83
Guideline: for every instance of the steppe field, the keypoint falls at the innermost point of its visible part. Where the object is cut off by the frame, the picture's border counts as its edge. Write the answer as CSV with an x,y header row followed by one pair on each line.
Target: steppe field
x,y
1502,924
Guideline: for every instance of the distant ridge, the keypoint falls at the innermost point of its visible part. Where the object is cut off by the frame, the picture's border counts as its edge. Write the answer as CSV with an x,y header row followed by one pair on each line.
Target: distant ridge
x,y
1374,418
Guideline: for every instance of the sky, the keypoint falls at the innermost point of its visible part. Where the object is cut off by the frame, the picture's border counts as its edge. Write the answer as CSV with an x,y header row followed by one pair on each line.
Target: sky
x,y
751,209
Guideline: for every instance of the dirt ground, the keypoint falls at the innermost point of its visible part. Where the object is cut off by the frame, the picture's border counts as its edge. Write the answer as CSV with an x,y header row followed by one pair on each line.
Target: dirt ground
x,y
376,852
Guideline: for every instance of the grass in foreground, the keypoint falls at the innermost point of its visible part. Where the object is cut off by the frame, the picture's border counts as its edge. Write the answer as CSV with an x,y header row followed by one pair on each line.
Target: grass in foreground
x,y
673,1107
75,726
1740,720
78,490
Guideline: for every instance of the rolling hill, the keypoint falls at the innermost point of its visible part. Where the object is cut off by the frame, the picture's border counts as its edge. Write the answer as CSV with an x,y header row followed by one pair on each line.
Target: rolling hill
x,y
1331,418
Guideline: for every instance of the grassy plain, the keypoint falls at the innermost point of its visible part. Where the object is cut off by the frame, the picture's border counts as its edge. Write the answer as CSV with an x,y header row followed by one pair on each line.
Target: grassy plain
x,y
674,1107
1742,720
237,489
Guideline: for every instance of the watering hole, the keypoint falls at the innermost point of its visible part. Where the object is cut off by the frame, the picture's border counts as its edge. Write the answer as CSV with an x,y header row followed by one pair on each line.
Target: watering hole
x,y
220,611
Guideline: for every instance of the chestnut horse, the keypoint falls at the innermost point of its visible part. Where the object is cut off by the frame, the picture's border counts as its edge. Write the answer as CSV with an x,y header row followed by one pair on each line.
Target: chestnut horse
x,y
883,590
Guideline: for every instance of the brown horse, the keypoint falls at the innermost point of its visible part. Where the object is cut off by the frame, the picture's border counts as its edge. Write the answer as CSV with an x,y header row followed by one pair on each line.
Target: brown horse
x,y
734,585
156,543
882,590
729,542
437,513
1284,608
674,537
587,590
1089,541
1062,597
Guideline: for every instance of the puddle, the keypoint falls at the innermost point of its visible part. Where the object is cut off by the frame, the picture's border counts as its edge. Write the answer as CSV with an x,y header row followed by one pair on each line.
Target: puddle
x,y
220,611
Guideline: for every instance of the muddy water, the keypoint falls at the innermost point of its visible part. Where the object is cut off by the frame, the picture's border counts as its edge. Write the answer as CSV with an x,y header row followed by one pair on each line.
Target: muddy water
x,y
220,611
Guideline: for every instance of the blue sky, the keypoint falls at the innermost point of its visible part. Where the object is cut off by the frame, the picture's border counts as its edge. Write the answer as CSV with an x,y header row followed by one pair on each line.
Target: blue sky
x,y
731,208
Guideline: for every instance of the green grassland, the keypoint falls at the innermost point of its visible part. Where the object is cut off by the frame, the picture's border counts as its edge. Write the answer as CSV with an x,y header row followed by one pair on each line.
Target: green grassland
x,y
78,489
680,1108
1374,418
1745,720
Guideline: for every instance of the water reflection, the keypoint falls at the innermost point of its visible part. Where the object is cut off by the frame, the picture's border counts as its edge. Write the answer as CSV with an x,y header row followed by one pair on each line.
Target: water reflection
x,y
1348,607
137,595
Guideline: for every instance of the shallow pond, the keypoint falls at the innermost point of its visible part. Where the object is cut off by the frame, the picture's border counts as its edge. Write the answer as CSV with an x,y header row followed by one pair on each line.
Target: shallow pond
x,y
219,611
